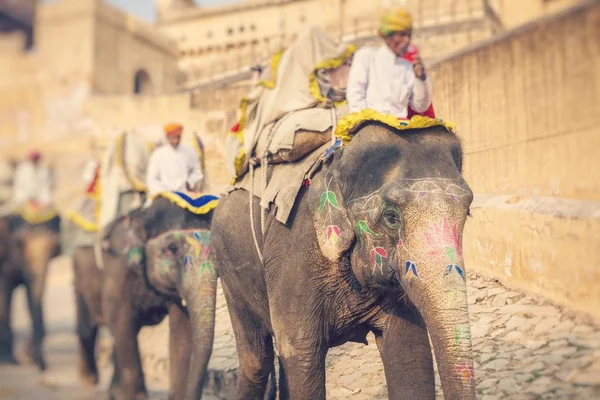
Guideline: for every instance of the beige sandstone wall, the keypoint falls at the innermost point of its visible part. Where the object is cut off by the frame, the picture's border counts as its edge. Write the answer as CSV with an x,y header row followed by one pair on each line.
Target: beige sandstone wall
x,y
527,116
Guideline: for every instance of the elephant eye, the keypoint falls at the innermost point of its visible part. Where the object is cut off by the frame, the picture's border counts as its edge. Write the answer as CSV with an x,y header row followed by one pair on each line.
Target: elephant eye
x,y
173,248
391,216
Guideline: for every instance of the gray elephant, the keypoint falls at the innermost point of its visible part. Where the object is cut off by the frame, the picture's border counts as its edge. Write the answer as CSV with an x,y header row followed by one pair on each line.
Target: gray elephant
x,y
374,246
138,288
26,250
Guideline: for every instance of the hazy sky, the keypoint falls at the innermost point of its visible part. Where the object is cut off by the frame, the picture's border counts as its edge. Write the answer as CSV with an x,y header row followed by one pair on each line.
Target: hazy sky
x,y
145,8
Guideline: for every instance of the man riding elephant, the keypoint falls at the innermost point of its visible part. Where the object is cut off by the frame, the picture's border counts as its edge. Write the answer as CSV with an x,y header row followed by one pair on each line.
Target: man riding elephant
x,y
362,235
391,78
29,240
118,296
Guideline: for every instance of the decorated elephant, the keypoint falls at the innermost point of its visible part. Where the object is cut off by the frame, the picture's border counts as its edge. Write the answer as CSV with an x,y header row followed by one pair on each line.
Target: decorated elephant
x,y
26,248
139,287
374,245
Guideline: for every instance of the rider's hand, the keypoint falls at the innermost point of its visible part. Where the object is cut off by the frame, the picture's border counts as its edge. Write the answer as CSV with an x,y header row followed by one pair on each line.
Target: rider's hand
x,y
419,69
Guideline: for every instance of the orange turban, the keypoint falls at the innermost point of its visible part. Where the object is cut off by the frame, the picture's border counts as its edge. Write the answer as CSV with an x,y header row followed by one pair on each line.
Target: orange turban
x,y
174,129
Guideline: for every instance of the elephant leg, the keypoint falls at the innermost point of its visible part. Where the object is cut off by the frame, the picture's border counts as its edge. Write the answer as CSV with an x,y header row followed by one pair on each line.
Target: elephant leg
x,y
407,360
35,291
127,356
6,336
255,352
114,381
304,365
284,390
180,351
86,333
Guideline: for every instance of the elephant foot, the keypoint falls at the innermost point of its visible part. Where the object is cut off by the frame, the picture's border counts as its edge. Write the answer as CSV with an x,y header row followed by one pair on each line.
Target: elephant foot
x,y
8,359
88,380
115,394
36,357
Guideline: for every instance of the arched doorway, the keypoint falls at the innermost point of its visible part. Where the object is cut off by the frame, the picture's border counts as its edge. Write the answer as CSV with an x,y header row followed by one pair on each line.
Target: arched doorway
x,y
142,83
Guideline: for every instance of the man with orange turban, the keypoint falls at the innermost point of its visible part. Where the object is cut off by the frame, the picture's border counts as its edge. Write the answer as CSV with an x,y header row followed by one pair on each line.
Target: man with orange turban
x,y
173,167
385,79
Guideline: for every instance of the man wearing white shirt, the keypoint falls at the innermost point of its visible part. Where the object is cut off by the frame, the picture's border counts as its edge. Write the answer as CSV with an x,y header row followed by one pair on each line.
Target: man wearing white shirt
x,y
173,167
382,79
33,182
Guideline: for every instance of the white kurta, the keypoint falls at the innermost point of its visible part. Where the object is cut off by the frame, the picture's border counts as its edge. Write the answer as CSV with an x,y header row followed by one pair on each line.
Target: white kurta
x,y
171,169
32,183
382,81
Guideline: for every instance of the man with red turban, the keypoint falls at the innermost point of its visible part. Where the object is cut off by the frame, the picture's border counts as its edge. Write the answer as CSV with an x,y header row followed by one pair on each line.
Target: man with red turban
x,y
33,181
173,167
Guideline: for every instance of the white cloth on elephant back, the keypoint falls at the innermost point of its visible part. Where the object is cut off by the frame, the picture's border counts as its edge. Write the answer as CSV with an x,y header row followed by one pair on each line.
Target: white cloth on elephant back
x,y
130,152
292,90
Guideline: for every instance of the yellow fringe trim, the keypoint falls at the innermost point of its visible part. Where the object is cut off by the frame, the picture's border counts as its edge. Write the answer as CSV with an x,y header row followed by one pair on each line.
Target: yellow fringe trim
x,y
274,65
330,63
348,125
137,185
36,217
239,159
178,201
82,222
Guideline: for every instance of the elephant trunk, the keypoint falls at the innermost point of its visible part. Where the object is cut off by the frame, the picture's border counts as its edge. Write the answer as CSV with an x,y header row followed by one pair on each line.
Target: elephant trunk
x,y
433,276
201,300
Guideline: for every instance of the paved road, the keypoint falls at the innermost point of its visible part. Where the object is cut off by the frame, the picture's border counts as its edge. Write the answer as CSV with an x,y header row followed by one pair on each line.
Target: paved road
x,y
525,348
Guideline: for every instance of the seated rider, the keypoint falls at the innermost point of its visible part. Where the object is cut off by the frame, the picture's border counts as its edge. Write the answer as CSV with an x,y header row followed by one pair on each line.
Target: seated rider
x,y
173,167
383,79
32,182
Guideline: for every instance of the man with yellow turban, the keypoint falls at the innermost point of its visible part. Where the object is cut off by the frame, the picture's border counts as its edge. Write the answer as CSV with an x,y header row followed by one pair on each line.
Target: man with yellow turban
x,y
173,167
385,79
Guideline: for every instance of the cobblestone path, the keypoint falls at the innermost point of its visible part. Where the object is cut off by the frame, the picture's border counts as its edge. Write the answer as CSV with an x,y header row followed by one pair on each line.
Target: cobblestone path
x,y
525,348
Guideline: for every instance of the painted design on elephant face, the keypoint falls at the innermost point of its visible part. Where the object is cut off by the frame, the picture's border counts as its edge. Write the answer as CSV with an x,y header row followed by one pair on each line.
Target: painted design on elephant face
x,y
465,371
199,241
362,229
328,198
165,267
333,234
410,270
377,256
135,255
459,271
462,332
444,239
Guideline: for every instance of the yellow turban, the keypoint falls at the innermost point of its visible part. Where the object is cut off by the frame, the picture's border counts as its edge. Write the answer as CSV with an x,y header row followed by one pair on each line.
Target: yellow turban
x,y
395,20
173,129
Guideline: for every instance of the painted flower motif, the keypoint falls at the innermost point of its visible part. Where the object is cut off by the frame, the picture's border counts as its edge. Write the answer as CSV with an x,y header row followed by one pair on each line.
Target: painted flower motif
x,y
444,239
465,371
328,198
333,234
410,269
363,229
377,256
188,262
459,271
135,255
207,265
201,247
462,332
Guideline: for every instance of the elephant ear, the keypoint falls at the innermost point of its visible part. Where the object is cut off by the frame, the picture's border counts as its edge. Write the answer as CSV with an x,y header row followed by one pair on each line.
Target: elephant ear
x,y
332,225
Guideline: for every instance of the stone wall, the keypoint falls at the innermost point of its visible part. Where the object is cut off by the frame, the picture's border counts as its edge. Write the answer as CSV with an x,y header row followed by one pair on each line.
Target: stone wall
x,y
526,106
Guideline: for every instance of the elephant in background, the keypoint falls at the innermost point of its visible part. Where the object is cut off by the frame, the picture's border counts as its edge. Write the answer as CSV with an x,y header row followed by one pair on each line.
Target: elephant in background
x,y
139,286
25,254
374,246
